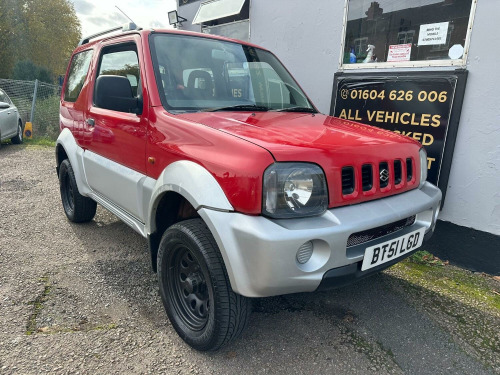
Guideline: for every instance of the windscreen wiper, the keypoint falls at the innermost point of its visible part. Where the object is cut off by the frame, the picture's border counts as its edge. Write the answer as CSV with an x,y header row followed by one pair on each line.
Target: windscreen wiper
x,y
239,107
296,109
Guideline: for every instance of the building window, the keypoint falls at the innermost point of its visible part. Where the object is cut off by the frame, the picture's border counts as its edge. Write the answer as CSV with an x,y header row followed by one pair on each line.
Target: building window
x,y
406,37
387,33
360,45
229,18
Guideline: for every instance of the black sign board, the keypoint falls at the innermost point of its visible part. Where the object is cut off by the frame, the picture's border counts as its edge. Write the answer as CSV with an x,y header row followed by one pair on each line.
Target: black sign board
x,y
425,106
184,2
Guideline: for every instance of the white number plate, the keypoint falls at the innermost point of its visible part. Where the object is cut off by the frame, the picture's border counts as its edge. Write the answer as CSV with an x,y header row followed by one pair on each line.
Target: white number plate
x,y
389,250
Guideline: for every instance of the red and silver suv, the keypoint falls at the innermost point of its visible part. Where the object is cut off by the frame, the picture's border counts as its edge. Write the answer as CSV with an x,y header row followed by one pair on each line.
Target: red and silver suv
x,y
209,149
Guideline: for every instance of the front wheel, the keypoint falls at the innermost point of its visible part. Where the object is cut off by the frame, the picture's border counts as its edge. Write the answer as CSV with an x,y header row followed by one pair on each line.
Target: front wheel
x,y
18,139
195,289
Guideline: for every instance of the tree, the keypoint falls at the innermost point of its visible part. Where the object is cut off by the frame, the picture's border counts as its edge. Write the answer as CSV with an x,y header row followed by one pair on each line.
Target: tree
x,y
27,70
12,34
43,31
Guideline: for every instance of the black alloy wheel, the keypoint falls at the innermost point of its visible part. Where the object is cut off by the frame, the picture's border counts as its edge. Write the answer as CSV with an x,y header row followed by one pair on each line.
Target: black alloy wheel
x,y
18,138
188,286
78,209
195,288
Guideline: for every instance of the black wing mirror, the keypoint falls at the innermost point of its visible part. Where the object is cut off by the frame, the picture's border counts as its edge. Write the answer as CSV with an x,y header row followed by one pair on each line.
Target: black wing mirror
x,y
115,93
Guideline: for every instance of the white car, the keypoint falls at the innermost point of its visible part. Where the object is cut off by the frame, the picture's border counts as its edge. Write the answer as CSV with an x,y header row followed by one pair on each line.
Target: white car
x,y
11,125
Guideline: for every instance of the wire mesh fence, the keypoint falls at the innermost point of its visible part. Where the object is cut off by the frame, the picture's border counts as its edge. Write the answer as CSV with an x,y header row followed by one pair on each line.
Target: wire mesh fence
x,y
37,102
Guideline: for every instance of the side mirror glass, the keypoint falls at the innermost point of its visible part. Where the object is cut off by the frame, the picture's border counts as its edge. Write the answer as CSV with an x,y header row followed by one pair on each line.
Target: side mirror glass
x,y
115,93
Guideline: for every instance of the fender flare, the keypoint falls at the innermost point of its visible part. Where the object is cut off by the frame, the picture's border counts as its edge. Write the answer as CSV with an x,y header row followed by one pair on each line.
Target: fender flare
x,y
192,181
75,156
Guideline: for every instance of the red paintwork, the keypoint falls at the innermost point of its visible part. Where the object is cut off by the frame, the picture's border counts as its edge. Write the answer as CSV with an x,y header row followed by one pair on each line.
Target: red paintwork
x,y
236,147
327,141
236,164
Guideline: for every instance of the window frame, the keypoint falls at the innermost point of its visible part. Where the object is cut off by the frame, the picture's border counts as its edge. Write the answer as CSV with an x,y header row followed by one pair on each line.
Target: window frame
x,y
462,62
122,46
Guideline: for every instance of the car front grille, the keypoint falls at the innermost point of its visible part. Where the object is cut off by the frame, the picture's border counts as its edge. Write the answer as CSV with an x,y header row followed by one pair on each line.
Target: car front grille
x,y
374,233
385,175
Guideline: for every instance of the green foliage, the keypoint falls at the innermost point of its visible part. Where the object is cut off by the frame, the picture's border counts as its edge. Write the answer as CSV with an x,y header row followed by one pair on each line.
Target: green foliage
x,y
424,257
43,31
26,70
40,141
46,121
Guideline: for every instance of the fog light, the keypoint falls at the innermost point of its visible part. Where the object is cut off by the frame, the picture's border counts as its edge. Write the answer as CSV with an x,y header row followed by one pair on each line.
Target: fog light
x,y
305,252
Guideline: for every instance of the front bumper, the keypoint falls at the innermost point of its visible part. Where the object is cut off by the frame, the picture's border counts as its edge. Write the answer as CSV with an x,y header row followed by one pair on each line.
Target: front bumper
x,y
260,253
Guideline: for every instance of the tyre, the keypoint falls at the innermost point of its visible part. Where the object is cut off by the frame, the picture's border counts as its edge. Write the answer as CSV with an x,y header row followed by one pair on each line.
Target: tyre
x,y
195,288
78,209
18,139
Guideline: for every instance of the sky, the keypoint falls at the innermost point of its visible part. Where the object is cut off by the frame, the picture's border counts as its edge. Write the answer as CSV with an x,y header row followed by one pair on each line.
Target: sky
x,y
99,15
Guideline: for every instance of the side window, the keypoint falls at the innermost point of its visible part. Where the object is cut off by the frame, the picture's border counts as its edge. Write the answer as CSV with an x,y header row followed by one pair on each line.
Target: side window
x,y
76,77
122,61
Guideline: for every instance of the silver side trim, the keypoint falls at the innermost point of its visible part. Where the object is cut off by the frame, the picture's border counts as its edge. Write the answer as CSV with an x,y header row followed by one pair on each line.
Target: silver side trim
x,y
124,216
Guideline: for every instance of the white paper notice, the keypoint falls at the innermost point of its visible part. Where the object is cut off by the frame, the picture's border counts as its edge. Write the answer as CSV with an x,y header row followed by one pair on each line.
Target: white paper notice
x,y
433,33
399,52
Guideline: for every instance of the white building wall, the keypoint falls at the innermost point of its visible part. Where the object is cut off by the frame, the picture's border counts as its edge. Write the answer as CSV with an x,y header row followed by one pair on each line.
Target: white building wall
x,y
473,195
306,36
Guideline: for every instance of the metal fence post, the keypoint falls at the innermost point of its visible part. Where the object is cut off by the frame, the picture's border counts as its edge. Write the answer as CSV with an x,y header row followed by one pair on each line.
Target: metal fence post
x,y
33,105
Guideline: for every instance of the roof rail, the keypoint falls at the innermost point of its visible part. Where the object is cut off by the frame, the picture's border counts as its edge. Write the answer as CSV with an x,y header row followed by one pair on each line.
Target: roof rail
x,y
126,27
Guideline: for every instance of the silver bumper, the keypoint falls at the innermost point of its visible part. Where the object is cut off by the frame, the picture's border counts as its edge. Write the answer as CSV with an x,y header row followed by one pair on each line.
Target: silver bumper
x,y
260,253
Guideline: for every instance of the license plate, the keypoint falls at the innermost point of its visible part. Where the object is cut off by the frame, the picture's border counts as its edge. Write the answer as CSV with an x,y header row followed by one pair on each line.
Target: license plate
x,y
389,250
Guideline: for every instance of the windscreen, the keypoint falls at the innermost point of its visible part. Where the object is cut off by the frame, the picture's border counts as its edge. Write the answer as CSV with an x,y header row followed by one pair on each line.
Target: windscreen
x,y
202,74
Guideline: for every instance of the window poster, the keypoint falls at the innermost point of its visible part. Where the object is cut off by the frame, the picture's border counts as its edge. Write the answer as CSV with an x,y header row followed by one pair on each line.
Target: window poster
x,y
399,52
433,34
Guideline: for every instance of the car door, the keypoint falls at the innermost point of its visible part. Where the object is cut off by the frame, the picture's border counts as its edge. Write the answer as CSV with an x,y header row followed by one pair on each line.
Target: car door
x,y
8,117
115,157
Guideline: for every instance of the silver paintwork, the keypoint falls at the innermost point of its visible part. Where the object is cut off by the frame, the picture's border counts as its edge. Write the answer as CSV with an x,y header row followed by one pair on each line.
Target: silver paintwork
x,y
120,185
9,120
194,183
260,254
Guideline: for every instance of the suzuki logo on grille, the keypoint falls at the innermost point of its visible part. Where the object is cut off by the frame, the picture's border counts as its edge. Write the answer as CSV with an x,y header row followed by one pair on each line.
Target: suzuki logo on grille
x,y
384,175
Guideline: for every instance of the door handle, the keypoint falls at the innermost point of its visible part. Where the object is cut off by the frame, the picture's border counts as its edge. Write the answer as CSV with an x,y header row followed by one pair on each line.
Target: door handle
x,y
90,122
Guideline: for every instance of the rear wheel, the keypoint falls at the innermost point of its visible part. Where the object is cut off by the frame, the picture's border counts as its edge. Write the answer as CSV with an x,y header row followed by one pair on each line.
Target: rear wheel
x,y
78,209
195,288
18,139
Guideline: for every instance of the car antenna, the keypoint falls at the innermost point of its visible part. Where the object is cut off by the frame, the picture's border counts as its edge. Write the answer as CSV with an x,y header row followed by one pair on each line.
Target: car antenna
x,y
116,6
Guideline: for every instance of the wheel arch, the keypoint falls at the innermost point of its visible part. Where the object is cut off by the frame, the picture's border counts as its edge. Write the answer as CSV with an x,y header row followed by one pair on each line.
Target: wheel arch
x,y
67,148
180,191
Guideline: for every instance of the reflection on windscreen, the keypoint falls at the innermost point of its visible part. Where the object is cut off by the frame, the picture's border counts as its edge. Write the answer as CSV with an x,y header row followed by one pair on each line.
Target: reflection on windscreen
x,y
197,74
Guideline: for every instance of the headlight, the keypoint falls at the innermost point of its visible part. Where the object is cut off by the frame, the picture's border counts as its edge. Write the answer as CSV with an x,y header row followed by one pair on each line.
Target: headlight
x,y
294,190
423,166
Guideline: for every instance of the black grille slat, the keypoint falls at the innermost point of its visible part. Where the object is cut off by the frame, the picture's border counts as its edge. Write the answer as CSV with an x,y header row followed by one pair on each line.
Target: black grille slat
x,y
384,177
398,172
367,177
374,233
347,180
409,169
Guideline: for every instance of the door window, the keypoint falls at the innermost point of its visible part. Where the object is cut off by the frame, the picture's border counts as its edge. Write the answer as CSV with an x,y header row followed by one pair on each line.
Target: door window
x,y
122,61
76,75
